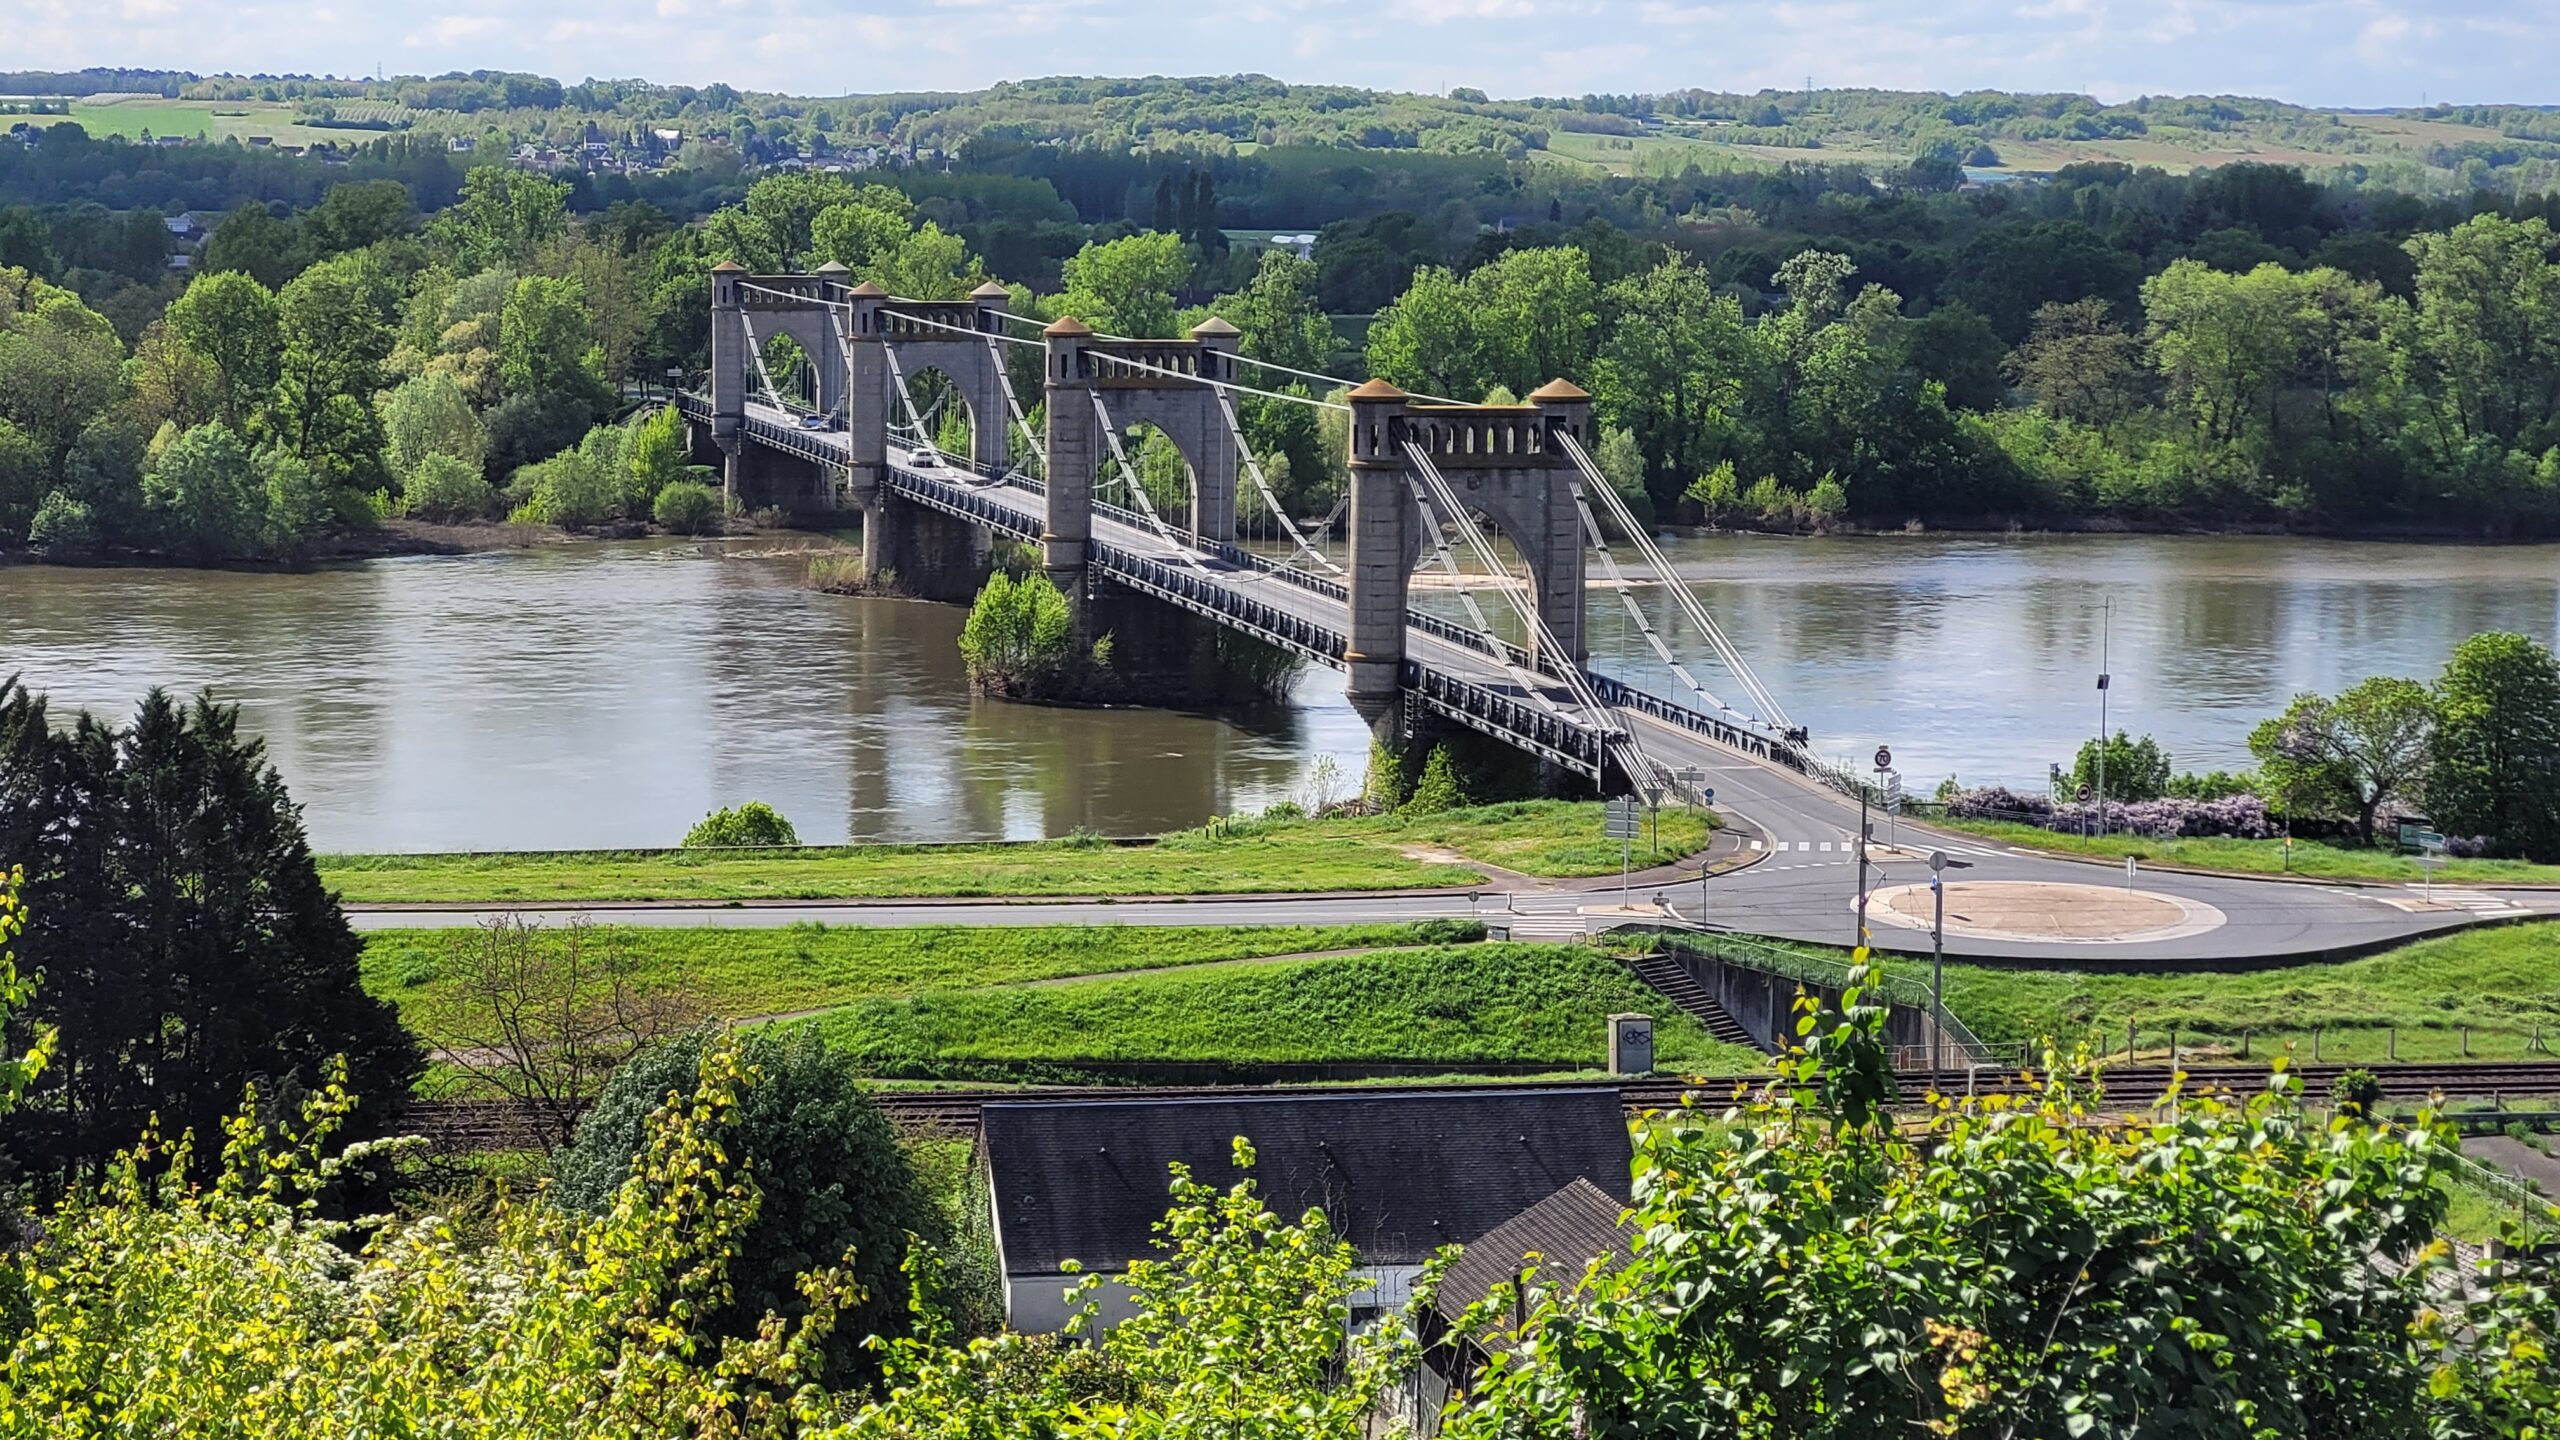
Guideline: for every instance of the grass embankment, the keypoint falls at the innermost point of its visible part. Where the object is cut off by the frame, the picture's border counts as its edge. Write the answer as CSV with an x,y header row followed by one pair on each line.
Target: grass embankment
x,y
1482,1004
744,973
2501,983
1548,838
2312,858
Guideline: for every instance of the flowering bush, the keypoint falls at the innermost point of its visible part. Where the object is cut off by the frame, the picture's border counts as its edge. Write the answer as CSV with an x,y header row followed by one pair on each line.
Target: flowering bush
x,y
2239,817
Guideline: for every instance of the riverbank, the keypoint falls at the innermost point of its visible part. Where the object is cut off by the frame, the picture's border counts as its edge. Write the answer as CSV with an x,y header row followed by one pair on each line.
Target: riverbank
x,y
1548,838
2309,859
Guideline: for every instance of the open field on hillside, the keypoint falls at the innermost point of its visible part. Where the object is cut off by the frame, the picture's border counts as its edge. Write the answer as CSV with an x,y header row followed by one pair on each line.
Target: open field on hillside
x,y
1550,838
202,119
738,974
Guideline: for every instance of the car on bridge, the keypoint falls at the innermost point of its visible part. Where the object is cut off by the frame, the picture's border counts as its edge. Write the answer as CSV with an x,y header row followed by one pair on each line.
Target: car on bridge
x,y
924,457
813,422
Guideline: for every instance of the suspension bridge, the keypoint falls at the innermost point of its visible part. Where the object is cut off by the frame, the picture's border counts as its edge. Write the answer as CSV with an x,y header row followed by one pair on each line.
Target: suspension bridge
x,y
1430,482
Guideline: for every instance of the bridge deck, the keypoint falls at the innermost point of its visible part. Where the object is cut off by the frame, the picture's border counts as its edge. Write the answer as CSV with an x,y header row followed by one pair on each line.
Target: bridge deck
x,y
1448,668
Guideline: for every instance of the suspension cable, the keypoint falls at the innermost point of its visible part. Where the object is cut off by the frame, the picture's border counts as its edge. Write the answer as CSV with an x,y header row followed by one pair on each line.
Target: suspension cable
x,y
764,377
990,336
1137,490
1434,532
1253,468
1626,596
1771,713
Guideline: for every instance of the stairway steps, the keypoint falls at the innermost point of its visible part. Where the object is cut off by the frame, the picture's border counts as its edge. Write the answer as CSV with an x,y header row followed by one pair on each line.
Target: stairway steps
x,y
1677,985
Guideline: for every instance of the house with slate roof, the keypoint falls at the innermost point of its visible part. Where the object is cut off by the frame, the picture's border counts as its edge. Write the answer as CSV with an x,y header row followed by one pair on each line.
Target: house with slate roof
x,y
1398,1175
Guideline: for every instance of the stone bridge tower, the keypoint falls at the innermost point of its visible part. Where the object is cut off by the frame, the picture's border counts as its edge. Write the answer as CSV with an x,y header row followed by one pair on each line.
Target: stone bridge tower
x,y
1501,461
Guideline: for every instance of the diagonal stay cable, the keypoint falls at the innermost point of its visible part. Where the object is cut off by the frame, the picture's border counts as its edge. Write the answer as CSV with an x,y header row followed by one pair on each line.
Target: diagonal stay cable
x,y
1253,468
1137,491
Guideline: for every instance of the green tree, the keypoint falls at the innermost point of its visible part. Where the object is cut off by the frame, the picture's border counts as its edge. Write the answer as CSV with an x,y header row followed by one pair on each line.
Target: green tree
x,y
1816,1268
2350,756
429,415
206,496
2079,364
1125,286
1439,789
1519,321
2495,766
1956,347
442,488
169,382
1674,367
503,217
2135,769
187,945
546,343
2484,345
1020,634
687,507
235,322
60,367
251,242
353,214
337,332
655,457
837,1188
25,479
294,504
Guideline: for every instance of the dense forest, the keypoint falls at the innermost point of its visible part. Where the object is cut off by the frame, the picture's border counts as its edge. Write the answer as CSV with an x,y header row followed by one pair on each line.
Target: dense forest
x,y
397,325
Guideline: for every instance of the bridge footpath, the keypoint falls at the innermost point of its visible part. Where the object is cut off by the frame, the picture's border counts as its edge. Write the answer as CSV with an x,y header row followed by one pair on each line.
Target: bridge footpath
x,y
1448,669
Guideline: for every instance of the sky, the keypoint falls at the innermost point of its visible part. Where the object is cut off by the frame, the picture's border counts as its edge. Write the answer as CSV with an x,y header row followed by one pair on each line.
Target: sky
x,y
2316,52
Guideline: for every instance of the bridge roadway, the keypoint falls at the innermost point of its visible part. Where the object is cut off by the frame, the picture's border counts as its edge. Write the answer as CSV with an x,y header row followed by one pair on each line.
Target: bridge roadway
x,y
1792,837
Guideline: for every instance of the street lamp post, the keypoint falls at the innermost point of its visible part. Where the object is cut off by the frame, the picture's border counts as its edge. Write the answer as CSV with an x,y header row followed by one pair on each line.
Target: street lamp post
x,y
2106,636
1937,960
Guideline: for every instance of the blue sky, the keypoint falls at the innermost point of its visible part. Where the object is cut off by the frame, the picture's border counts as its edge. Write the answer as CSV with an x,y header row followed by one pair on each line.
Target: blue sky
x,y
2319,52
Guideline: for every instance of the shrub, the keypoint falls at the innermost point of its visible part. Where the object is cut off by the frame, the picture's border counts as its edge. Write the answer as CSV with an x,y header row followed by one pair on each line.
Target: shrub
x,y
754,823
570,490
2135,769
1020,638
838,1189
688,509
63,525
1439,789
2355,1092
443,488
2239,817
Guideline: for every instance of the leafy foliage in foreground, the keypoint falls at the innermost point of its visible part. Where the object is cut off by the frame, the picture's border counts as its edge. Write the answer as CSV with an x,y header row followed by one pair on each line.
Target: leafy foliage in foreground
x,y
1804,1267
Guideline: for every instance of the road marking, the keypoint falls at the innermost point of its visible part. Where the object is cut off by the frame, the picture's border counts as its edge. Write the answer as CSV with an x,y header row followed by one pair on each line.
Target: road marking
x,y
2477,902
1549,925
1756,845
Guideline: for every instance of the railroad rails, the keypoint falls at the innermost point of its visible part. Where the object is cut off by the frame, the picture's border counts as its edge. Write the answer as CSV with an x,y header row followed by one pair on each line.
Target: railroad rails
x,y
474,1125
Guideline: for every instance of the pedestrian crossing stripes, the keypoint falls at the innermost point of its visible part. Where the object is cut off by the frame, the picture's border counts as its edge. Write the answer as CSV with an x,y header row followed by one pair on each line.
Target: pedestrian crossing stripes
x,y
1850,847
2478,902
1548,925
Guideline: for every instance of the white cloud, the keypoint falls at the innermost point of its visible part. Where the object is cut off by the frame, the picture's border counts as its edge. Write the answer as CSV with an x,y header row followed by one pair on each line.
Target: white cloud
x,y
2333,52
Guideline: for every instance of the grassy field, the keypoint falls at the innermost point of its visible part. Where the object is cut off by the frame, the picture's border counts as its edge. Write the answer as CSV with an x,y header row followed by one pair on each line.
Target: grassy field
x,y
1454,1005
202,119
1551,838
2265,857
2499,982
743,973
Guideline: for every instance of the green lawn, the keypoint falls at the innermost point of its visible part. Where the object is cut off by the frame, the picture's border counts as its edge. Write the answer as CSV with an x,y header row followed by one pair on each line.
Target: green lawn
x,y
1549,838
201,119
2265,857
2500,982
741,973
1447,1004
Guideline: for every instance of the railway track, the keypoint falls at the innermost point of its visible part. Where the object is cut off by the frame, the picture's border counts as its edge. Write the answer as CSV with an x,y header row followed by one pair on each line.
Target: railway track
x,y
477,1125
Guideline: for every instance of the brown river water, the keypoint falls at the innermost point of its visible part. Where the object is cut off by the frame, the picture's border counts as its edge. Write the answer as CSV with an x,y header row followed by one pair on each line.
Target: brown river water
x,y
600,694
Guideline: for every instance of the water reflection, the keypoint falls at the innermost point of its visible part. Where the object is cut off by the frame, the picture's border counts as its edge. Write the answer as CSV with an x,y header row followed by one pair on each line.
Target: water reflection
x,y
598,695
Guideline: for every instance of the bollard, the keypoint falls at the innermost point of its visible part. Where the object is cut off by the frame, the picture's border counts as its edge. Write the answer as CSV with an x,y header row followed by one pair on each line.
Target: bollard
x,y
2128,1042
2466,1042
2395,1043
2315,1044
2244,1044
2173,1049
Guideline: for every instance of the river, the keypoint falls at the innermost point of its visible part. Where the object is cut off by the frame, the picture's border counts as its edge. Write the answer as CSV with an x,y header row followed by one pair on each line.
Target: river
x,y
599,694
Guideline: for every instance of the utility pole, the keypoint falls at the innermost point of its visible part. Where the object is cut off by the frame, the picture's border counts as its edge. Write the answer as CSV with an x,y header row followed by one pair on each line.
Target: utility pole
x,y
1863,828
1938,961
2106,636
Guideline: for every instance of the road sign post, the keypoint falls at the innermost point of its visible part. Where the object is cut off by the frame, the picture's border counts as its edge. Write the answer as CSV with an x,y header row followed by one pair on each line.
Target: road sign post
x,y
1623,822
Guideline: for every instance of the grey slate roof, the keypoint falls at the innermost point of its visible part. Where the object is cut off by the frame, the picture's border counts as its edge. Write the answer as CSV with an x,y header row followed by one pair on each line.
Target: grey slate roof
x,y
1567,1230
1399,1175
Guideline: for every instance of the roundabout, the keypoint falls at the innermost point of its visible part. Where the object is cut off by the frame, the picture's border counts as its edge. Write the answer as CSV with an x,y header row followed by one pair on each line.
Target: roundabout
x,y
2048,912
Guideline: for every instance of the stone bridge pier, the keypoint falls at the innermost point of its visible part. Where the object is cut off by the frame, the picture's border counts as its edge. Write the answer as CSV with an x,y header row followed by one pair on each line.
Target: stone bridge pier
x,y
1502,463
1135,381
